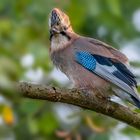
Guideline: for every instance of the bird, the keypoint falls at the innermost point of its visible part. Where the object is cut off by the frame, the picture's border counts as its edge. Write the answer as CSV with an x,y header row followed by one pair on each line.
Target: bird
x,y
90,64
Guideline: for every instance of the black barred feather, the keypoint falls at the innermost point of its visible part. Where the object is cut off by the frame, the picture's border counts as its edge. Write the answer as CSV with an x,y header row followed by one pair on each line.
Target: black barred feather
x,y
123,73
130,76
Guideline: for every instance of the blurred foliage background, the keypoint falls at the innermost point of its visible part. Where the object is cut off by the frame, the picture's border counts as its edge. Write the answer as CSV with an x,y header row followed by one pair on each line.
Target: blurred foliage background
x,y
24,56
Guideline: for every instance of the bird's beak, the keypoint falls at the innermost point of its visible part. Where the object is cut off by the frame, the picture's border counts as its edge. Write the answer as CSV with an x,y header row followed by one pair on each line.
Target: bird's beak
x,y
54,19
54,16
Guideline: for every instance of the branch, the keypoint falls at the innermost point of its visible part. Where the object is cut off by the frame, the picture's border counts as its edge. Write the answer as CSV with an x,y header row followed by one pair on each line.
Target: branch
x,y
84,100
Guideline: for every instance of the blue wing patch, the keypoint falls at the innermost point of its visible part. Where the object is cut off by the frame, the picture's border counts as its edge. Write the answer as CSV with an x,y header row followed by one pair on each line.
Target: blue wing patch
x,y
86,59
90,61
112,71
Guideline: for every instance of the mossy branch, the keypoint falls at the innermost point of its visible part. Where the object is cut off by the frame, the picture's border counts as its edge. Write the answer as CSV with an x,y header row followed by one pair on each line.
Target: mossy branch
x,y
78,98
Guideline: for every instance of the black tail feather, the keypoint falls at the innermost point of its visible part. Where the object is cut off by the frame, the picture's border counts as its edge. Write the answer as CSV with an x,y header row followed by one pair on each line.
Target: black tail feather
x,y
136,101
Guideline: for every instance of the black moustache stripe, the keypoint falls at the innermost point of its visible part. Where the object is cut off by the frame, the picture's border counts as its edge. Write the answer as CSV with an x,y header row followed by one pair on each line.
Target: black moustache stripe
x,y
65,34
62,33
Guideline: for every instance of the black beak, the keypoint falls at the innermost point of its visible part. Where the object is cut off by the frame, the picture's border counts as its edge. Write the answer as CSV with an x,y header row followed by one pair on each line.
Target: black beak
x,y
54,18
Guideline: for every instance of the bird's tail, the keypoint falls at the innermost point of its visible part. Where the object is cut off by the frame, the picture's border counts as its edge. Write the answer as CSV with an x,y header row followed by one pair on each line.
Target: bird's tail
x,y
135,100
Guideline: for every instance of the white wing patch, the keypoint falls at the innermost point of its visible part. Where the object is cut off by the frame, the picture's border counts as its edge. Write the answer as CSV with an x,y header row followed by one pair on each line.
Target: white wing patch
x,y
107,75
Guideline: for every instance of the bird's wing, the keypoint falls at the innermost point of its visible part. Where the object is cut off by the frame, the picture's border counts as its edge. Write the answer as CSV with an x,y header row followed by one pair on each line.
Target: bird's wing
x,y
97,47
107,57
106,68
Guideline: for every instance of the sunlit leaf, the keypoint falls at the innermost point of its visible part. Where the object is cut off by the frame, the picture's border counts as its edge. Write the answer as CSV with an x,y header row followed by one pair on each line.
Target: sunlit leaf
x,y
8,115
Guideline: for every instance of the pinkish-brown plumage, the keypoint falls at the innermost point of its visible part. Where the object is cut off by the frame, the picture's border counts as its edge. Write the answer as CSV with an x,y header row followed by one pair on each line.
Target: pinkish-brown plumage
x,y
72,54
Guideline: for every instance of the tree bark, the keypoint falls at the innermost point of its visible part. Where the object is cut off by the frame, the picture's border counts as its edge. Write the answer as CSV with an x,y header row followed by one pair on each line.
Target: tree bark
x,y
84,100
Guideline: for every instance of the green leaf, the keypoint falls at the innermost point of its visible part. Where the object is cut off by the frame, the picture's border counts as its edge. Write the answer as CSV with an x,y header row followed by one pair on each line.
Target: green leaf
x,y
101,136
47,123
114,6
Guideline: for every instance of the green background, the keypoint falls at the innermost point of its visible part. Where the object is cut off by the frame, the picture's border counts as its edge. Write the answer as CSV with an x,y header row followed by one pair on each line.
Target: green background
x,y
24,56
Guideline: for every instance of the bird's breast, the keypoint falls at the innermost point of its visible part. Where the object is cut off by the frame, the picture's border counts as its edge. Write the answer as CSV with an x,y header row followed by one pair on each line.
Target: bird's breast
x,y
80,77
64,59
58,42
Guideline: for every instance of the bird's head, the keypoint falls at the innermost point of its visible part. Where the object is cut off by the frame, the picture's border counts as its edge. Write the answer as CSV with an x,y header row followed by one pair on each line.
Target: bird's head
x,y
59,22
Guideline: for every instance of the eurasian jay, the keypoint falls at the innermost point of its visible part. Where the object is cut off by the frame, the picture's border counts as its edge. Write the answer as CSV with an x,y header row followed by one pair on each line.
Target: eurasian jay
x,y
89,63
